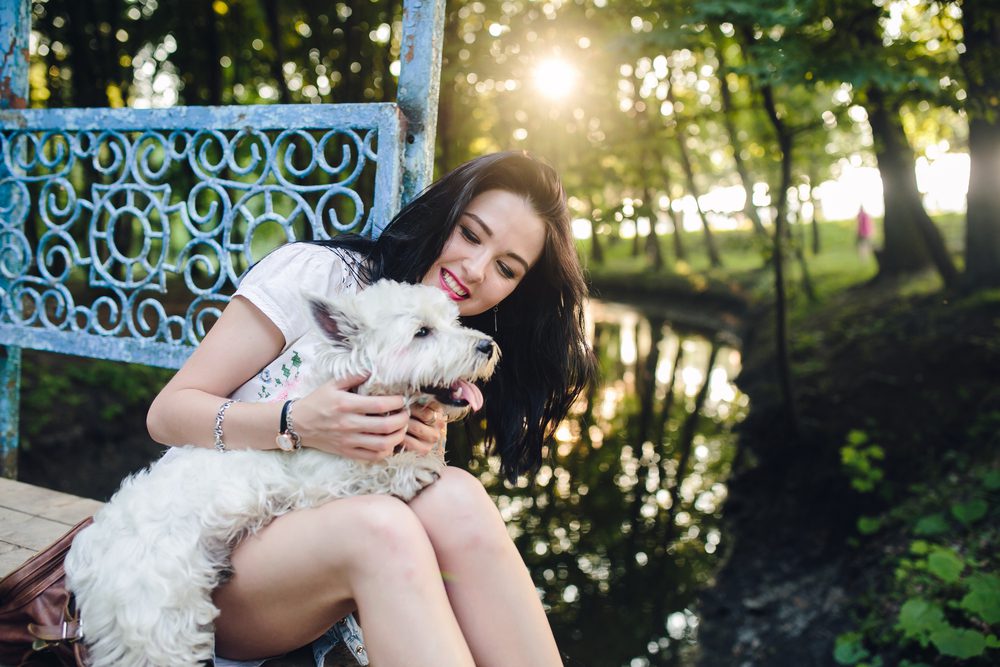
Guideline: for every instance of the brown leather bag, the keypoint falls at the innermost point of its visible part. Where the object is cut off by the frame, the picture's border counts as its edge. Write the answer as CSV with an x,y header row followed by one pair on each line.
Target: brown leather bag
x,y
38,621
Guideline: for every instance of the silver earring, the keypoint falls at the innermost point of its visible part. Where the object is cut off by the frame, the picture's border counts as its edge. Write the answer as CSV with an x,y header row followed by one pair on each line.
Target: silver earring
x,y
496,325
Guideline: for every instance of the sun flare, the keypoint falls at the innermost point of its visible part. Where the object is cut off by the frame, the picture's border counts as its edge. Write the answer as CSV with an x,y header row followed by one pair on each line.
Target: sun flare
x,y
555,78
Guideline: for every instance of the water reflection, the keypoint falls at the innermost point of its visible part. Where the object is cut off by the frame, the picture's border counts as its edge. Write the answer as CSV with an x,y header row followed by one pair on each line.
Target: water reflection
x,y
621,526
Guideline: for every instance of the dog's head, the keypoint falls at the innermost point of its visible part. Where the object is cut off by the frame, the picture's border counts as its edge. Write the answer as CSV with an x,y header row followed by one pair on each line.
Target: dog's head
x,y
408,340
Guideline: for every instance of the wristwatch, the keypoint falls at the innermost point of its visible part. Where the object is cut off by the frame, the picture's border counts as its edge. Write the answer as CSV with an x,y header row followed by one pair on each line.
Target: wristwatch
x,y
287,440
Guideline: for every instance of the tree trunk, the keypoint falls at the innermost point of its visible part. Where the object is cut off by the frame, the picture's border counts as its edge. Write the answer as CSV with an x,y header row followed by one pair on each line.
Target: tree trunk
x,y
680,255
680,133
814,222
912,242
713,252
777,260
728,117
635,233
981,28
392,10
596,248
277,41
653,251
89,81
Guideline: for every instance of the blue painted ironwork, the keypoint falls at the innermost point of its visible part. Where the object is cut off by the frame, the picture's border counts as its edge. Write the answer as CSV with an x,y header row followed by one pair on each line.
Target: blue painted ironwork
x,y
123,232
104,214
15,31
419,87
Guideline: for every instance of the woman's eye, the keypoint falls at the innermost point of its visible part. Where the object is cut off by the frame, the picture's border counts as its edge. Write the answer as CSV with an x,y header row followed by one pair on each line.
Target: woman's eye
x,y
468,235
505,270
422,332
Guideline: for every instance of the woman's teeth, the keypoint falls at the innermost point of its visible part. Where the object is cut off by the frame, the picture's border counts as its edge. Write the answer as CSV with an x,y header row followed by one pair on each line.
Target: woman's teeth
x,y
453,285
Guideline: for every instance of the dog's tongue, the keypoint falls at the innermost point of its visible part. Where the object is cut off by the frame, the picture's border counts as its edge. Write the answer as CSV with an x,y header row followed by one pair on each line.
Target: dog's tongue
x,y
466,390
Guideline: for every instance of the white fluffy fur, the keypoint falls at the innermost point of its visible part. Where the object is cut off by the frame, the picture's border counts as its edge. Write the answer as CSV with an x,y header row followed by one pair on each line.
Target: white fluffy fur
x,y
143,573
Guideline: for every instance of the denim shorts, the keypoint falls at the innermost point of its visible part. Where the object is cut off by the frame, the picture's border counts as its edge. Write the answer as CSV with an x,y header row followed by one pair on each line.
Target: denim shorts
x,y
345,630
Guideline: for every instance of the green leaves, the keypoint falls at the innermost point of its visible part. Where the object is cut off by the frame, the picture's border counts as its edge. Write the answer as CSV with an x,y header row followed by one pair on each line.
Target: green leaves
x,y
934,524
945,564
983,598
849,650
969,512
859,459
959,642
925,622
918,619
946,584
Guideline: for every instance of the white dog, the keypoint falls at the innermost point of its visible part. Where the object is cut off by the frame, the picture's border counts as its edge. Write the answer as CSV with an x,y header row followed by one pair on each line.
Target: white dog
x,y
144,572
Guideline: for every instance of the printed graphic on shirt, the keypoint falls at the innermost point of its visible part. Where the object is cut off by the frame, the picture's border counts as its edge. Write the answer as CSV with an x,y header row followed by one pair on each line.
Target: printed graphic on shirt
x,y
275,384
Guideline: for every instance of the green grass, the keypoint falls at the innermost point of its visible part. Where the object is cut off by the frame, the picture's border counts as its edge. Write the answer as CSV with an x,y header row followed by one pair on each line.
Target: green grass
x,y
837,266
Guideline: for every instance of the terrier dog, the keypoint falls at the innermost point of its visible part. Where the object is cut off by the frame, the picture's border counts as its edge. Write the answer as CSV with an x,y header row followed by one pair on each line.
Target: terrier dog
x,y
144,572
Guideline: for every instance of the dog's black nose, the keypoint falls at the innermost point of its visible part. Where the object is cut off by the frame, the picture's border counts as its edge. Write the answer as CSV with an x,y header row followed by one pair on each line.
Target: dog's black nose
x,y
486,347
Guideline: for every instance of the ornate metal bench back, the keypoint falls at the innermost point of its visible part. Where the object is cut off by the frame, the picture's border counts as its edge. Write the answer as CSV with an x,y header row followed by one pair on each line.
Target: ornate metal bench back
x,y
123,232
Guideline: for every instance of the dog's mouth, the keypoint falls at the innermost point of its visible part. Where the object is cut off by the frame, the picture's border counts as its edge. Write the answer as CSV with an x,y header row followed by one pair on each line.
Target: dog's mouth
x,y
460,394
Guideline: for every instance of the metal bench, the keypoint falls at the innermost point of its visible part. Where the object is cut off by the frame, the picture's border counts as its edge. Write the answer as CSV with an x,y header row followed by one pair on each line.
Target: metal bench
x,y
123,231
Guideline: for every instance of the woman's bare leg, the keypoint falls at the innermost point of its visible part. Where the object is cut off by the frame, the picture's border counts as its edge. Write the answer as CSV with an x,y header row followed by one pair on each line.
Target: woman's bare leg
x,y
490,589
309,568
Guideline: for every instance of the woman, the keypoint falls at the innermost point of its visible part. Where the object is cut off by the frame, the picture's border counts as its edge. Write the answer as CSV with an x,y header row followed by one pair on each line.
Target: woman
x,y
437,581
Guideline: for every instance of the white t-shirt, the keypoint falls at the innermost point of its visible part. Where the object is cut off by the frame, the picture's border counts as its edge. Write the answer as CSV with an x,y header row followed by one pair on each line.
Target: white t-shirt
x,y
276,285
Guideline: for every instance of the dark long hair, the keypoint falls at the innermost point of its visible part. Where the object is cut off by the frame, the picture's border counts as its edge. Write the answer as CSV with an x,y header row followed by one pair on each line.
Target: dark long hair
x,y
546,361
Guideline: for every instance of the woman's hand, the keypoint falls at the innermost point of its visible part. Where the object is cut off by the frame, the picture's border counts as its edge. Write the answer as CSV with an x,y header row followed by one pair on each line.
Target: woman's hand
x,y
335,420
426,428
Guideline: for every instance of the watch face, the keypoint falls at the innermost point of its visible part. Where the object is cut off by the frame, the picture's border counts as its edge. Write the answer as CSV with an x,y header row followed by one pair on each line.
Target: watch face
x,y
284,441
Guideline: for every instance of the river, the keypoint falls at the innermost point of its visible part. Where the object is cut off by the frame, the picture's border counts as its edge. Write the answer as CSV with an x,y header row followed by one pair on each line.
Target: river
x,y
621,526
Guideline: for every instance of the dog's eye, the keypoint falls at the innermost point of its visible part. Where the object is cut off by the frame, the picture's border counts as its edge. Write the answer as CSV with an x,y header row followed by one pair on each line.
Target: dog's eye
x,y
422,332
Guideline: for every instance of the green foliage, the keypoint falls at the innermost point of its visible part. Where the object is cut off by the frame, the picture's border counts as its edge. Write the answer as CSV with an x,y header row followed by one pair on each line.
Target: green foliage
x,y
849,650
945,588
925,623
918,619
55,385
969,512
933,524
983,598
945,564
868,525
860,459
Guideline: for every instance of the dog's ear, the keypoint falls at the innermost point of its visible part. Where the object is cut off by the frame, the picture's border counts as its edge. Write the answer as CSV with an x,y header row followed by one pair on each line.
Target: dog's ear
x,y
334,321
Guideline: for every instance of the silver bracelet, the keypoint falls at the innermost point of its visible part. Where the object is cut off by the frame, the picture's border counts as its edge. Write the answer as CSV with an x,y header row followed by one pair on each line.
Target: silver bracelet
x,y
219,416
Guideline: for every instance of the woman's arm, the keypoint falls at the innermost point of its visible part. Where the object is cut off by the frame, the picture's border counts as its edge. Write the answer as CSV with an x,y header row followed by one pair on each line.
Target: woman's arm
x,y
240,343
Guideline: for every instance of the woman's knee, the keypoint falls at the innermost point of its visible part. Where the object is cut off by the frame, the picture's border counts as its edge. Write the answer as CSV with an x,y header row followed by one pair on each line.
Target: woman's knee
x,y
458,514
373,528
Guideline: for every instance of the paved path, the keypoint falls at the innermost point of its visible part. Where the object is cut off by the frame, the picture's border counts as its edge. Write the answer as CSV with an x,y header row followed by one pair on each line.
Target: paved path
x,y
31,518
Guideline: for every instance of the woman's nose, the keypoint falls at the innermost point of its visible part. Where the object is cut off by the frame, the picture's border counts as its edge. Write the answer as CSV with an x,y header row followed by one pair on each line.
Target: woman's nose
x,y
475,267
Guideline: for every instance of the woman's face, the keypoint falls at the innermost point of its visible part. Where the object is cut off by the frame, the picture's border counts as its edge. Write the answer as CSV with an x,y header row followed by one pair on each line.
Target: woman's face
x,y
498,238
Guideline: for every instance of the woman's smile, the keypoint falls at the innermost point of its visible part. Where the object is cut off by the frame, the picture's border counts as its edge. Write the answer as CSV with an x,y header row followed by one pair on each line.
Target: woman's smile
x,y
453,287
495,242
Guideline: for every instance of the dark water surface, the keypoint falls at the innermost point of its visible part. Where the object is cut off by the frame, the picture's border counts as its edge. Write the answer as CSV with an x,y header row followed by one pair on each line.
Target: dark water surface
x,y
622,527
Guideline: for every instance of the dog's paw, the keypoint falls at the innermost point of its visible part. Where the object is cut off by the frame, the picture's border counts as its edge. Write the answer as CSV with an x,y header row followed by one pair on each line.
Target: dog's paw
x,y
411,479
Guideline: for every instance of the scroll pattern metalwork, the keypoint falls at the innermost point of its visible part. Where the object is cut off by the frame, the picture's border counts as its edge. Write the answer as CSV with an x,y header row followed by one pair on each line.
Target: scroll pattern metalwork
x,y
99,228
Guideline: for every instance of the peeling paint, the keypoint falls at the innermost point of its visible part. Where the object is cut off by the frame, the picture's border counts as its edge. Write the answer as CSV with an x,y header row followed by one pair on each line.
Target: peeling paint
x,y
419,87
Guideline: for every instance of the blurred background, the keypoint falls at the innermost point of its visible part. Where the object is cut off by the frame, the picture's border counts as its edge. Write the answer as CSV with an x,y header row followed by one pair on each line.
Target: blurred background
x,y
789,213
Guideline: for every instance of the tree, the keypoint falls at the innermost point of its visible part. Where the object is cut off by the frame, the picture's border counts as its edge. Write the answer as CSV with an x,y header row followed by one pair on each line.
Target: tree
x,y
981,25
729,117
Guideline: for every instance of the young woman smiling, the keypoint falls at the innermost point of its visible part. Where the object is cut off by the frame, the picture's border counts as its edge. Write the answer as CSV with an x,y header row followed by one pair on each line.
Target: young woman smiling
x,y
436,582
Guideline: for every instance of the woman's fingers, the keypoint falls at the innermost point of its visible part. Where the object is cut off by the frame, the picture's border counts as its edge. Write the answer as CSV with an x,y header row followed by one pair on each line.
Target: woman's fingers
x,y
375,448
368,427
377,424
